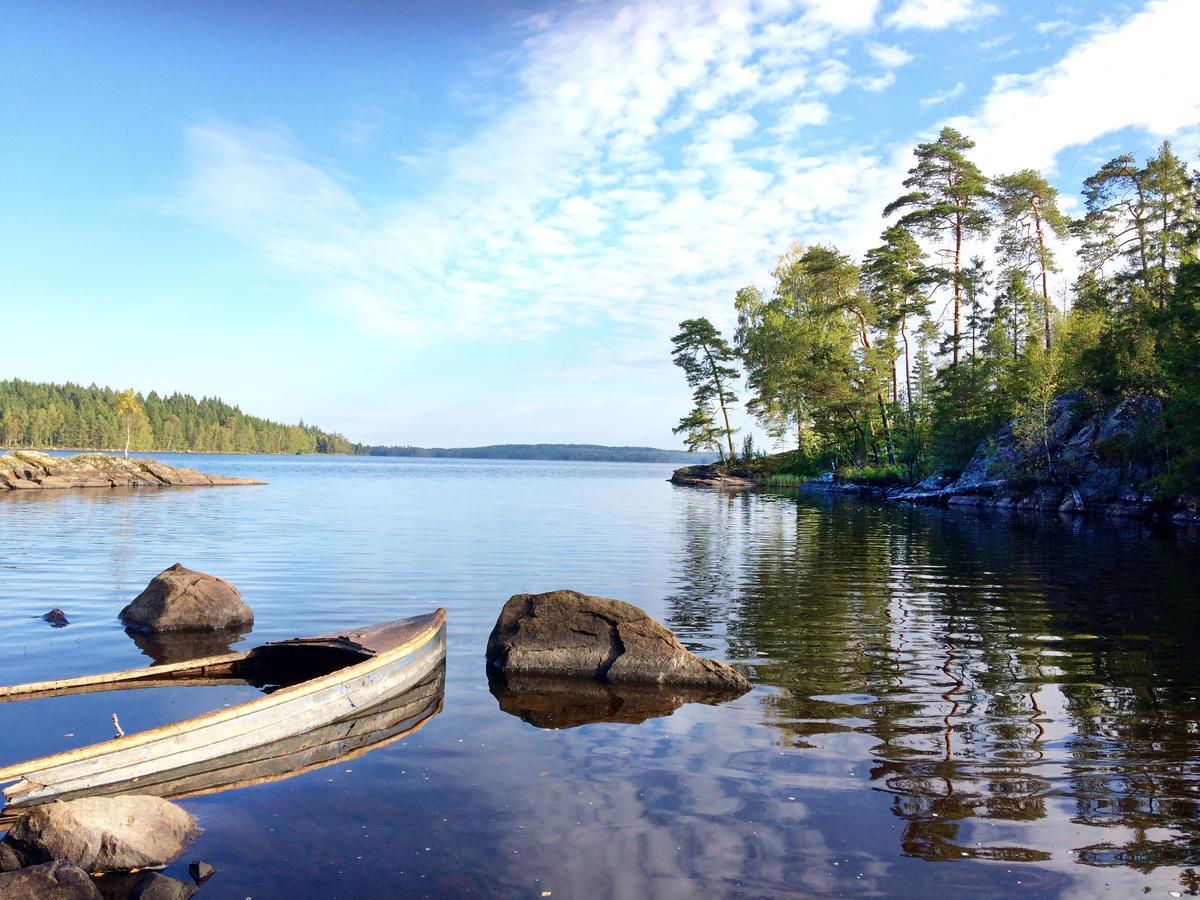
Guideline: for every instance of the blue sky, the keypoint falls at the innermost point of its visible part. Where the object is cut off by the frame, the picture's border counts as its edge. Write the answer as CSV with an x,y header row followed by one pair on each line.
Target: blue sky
x,y
482,222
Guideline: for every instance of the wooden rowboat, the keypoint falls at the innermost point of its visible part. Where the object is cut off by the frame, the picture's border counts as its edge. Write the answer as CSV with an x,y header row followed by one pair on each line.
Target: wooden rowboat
x,y
327,694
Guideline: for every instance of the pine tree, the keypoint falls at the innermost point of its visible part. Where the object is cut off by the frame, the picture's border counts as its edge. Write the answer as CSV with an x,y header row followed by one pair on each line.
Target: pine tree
x,y
1027,208
704,357
948,204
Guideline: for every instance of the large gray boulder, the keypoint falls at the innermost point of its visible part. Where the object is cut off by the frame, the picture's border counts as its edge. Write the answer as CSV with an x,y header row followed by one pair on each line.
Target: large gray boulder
x,y
565,634
180,599
105,834
58,880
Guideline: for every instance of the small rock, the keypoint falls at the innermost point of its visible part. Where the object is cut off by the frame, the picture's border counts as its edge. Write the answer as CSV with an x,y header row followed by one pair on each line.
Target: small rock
x,y
565,634
153,886
179,599
201,871
105,834
10,859
58,880
57,618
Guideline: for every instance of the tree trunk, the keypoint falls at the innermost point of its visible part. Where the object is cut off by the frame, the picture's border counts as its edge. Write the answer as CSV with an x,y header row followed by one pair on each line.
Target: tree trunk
x,y
887,428
958,238
1041,238
721,398
128,428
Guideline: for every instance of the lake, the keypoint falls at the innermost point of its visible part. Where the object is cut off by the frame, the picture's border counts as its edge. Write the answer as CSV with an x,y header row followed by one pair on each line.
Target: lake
x,y
977,703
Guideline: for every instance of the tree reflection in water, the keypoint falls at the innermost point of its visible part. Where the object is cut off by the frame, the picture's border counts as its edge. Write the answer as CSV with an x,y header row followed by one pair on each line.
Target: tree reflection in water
x,y
1030,672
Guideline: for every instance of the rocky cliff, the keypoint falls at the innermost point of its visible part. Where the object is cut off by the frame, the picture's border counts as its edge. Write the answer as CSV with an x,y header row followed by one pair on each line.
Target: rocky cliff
x,y
1075,461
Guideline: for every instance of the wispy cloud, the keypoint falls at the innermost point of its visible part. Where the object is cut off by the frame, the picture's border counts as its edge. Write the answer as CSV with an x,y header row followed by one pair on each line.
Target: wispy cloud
x,y
940,13
939,97
649,163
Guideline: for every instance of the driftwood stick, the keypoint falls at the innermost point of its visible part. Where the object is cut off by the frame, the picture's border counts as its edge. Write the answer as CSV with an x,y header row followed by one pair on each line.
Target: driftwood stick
x,y
117,725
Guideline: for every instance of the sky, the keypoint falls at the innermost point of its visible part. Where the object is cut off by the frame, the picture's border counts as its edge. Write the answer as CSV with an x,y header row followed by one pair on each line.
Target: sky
x,y
468,223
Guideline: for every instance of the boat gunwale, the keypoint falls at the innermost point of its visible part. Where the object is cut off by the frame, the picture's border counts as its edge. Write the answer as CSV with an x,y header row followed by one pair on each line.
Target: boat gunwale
x,y
18,771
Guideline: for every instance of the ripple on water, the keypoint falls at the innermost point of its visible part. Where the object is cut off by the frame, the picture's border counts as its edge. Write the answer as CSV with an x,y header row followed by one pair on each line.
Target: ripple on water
x,y
929,685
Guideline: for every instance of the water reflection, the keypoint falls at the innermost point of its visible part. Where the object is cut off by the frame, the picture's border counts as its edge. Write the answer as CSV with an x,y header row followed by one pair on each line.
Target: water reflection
x,y
558,703
181,646
1009,671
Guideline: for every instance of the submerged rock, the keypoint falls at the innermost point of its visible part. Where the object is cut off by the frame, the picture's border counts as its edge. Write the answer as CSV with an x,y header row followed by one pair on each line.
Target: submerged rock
x,y
29,470
200,871
154,886
105,834
57,618
180,599
58,880
565,634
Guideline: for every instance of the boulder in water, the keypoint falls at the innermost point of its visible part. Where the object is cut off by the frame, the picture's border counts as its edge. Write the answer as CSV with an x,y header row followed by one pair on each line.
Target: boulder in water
x,y
57,618
180,599
565,634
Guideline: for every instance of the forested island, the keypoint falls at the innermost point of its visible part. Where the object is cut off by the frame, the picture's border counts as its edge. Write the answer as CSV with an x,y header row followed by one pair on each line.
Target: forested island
x,y
71,416
956,335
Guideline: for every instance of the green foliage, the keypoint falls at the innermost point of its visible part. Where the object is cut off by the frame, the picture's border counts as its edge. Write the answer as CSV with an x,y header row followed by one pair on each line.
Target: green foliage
x,y
72,416
875,476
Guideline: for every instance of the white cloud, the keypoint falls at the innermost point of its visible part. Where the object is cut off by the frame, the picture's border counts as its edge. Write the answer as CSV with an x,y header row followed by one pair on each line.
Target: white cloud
x,y
1028,120
845,15
890,56
939,97
939,13
799,115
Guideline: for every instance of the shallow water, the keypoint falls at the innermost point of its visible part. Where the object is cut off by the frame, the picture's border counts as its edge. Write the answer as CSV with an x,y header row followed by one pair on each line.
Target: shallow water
x,y
942,700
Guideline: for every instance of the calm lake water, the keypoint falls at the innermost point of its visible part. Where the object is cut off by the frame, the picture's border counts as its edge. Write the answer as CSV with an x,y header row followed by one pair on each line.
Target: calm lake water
x,y
942,701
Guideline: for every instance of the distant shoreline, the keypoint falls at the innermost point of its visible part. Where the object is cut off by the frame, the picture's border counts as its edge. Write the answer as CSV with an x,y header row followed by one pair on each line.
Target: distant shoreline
x,y
517,453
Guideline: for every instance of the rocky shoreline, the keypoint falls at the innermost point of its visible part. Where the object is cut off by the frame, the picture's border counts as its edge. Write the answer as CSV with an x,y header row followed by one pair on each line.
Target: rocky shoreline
x,y
29,470
1087,463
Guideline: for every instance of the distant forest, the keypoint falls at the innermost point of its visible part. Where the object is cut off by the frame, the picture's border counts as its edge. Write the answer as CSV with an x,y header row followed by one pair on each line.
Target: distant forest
x,y
72,416
569,452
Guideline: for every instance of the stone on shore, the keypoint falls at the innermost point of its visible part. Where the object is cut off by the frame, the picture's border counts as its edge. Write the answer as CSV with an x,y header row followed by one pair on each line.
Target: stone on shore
x,y
712,476
105,834
29,470
58,880
565,634
180,599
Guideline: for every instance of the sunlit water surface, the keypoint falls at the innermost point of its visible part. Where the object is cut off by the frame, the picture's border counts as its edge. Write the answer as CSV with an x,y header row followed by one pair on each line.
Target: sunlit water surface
x,y
942,701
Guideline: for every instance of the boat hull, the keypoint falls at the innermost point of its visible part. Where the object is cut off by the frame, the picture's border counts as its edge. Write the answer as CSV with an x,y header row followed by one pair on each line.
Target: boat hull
x,y
190,745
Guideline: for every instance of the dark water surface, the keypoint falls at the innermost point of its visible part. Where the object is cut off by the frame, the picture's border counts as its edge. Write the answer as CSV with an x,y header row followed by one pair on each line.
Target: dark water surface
x,y
943,701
